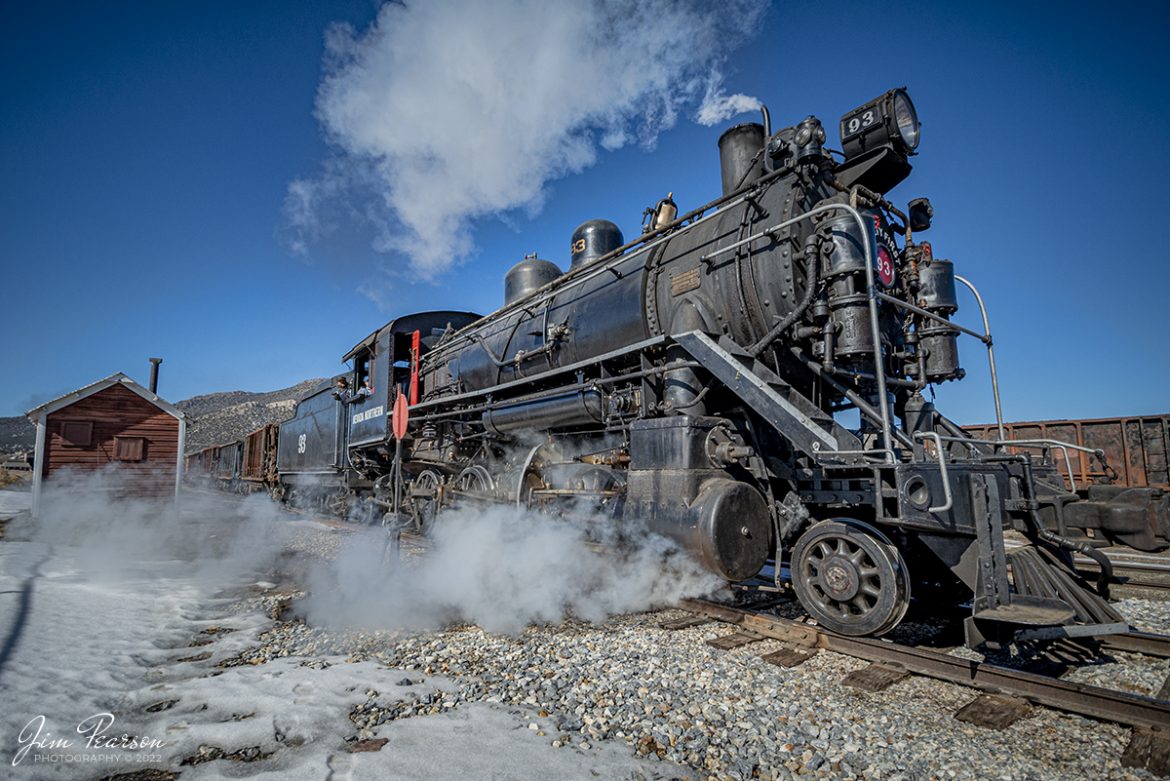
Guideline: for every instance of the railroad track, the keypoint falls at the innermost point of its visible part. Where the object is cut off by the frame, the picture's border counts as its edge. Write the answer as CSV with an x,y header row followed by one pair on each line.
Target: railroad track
x,y
1151,575
1008,693
1160,588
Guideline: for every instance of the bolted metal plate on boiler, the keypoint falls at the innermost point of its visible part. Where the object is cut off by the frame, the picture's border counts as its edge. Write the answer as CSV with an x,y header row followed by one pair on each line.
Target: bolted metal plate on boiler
x,y
994,711
734,640
874,678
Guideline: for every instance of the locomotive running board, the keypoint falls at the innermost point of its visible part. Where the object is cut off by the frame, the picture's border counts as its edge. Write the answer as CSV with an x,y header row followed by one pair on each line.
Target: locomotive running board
x,y
782,410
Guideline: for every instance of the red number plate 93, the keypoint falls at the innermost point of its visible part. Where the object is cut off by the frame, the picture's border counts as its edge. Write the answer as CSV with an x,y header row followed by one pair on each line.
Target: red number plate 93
x,y
885,266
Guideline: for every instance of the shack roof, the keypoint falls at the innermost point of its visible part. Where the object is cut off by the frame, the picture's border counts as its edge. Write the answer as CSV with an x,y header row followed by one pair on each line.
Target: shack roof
x,y
119,378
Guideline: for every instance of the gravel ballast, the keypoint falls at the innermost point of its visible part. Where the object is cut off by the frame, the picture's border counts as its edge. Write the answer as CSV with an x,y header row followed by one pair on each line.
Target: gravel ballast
x,y
725,714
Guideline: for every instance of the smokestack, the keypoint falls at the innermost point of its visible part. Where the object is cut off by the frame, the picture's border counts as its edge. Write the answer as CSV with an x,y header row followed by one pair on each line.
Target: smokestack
x,y
154,362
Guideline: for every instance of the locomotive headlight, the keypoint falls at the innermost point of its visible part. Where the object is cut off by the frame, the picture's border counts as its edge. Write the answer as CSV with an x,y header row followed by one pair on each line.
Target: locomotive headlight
x,y
889,120
906,118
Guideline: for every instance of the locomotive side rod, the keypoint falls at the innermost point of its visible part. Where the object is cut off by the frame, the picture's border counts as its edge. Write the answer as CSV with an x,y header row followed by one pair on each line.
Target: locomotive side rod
x,y
1079,698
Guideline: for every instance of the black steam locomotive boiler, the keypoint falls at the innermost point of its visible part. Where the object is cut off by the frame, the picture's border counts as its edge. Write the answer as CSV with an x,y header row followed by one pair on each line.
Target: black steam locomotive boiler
x,y
688,383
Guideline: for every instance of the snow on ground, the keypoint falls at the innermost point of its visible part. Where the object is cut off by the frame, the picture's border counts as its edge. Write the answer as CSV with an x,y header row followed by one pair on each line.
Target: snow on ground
x,y
109,663
13,502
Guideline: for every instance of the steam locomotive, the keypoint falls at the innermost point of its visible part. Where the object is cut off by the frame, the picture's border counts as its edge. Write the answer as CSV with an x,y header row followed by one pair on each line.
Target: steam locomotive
x,y
691,382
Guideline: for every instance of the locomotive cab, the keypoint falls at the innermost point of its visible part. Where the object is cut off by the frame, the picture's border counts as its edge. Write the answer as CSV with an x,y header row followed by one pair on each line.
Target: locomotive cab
x,y
365,416
389,359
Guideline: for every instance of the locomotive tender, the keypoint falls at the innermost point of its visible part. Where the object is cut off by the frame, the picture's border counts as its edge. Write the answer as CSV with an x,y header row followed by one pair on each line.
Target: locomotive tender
x,y
686,384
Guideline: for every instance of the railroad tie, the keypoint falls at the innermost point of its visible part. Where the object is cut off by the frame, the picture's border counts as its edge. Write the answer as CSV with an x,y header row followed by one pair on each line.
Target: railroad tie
x,y
733,640
789,656
994,711
1148,749
874,678
684,623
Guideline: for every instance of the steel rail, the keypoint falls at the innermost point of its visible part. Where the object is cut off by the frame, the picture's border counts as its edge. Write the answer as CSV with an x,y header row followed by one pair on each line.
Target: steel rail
x,y
1139,643
1068,696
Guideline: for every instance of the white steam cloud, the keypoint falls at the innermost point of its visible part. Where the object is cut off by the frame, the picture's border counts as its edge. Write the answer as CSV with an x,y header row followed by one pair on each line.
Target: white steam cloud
x,y
499,568
450,110
114,528
718,106
502,570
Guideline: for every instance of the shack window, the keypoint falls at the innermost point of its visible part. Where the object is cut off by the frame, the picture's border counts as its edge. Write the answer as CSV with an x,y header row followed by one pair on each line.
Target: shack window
x,y
129,448
77,433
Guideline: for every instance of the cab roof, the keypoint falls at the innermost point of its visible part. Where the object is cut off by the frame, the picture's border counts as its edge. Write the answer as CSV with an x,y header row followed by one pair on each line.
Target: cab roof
x,y
415,322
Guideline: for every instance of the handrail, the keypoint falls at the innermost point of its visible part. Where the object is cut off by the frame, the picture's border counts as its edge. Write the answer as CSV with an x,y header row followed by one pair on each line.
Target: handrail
x,y
871,286
984,337
887,455
942,467
1045,444
990,352
1059,444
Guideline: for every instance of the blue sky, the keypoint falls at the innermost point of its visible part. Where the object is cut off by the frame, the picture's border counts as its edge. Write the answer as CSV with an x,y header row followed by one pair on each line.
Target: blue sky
x,y
147,150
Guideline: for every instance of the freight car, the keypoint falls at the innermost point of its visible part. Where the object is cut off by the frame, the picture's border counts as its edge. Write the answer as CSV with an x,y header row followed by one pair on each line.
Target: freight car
x,y
257,469
226,465
1136,449
1119,460
690,383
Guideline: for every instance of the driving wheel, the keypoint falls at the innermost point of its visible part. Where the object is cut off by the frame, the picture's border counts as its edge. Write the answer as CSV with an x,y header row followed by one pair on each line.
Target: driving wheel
x,y
424,500
476,480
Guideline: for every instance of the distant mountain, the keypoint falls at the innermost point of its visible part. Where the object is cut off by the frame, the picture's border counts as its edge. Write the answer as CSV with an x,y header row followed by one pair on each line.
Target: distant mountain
x,y
17,434
212,419
218,418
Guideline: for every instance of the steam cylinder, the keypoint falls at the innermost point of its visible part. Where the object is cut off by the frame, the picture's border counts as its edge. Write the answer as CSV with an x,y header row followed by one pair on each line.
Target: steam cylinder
x,y
528,276
594,239
741,160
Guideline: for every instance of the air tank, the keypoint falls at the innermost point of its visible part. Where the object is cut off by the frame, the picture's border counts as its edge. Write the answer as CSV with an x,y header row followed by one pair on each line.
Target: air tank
x,y
741,158
937,286
939,343
594,239
528,276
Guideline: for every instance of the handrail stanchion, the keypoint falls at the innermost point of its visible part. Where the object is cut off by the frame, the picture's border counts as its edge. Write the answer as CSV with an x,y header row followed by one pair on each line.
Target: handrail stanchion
x,y
990,353
949,499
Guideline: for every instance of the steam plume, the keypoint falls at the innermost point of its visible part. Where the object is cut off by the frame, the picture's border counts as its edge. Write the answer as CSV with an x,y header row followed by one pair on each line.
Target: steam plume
x,y
501,569
450,110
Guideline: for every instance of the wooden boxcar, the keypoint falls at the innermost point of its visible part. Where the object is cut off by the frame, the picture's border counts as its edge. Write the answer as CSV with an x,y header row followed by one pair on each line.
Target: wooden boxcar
x,y
258,467
227,462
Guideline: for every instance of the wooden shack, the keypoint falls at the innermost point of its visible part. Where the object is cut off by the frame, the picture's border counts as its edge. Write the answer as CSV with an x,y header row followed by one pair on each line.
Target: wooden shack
x,y
114,423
